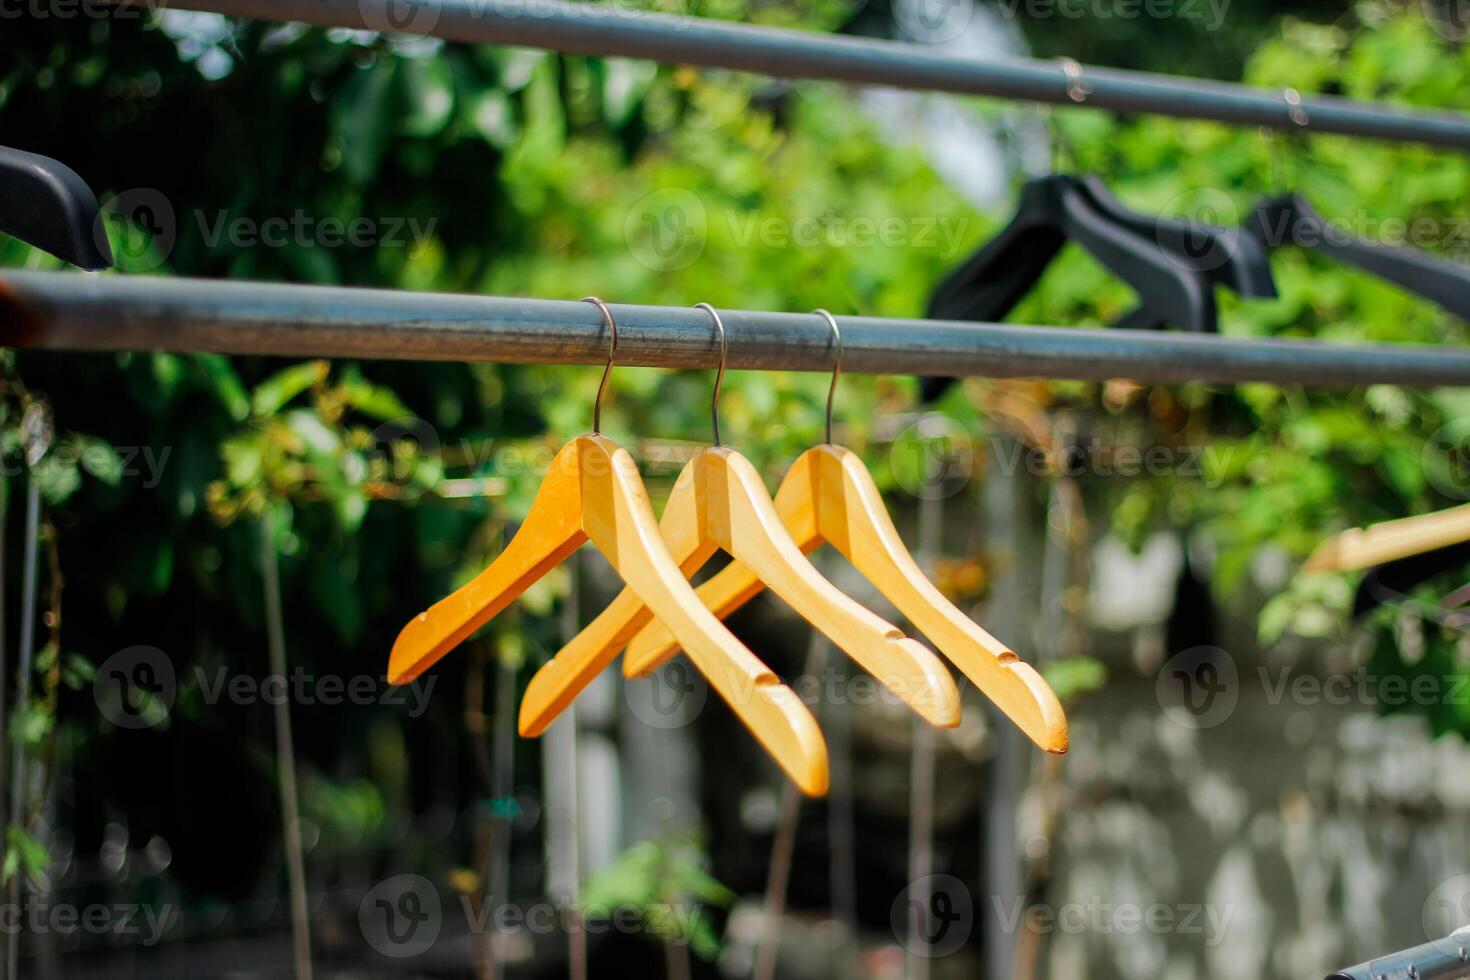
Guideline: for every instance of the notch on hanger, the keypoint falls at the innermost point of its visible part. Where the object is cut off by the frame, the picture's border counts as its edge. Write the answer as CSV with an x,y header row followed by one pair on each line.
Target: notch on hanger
x,y
45,203
593,492
828,496
720,503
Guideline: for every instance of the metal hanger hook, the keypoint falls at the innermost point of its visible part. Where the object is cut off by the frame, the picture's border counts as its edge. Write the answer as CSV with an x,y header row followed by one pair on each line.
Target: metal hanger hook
x,y
836,367
612,349
714,404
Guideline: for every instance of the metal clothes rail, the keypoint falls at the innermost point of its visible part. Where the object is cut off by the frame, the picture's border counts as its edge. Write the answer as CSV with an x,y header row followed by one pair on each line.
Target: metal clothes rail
x,y
83,311
602,29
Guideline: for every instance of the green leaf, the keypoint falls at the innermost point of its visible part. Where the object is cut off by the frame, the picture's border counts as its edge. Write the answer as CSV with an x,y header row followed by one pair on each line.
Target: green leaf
x,y
225,383
280,388
77,671
99,459
57,478
362,122
426,96
1070,677
494,119
30,725
624,84
25,853
375,400
243,458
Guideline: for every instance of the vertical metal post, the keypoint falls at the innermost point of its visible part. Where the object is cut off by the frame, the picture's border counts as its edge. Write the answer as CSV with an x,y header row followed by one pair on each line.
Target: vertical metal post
x,y
841,830
921,778
783,848
563,824
19,773
285,754
1002,870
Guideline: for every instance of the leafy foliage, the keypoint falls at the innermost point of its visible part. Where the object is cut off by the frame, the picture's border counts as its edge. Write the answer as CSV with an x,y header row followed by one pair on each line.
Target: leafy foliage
x,y
515,172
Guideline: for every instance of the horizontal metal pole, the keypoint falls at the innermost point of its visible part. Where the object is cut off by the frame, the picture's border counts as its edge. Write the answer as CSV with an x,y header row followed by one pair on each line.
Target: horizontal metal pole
x,y
600,29
1443,959
88,312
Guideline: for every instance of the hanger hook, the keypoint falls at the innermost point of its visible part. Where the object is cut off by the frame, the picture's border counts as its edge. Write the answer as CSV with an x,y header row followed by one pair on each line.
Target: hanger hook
x,y
714,405
612,349
836,367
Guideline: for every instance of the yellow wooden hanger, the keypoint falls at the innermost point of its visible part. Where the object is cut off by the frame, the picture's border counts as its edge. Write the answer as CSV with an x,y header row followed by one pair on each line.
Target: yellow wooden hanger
x,y
593,492
829,496
720,503
1378,544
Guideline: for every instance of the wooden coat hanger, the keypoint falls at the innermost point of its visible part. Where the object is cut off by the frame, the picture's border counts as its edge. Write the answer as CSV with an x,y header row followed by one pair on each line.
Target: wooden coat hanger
x,y
593,492
1389,541
720,503
829,496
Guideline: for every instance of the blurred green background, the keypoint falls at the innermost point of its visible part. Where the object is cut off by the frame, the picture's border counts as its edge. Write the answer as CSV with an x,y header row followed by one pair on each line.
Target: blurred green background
x,y
515,172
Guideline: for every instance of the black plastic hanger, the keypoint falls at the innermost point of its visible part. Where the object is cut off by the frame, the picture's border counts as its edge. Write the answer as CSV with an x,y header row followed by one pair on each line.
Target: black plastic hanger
x,y
1291,220
1052,211
44,203
1228,256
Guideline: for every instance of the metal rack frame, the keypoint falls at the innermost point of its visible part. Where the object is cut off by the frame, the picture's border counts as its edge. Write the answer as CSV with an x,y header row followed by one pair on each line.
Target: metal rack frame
x,y
599,29
83,311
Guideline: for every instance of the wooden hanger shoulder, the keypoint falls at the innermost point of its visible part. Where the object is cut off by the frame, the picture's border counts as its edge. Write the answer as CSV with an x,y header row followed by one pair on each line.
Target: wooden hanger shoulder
x,y
1388,541
624,529
551,531
828,495
741,517
593,491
